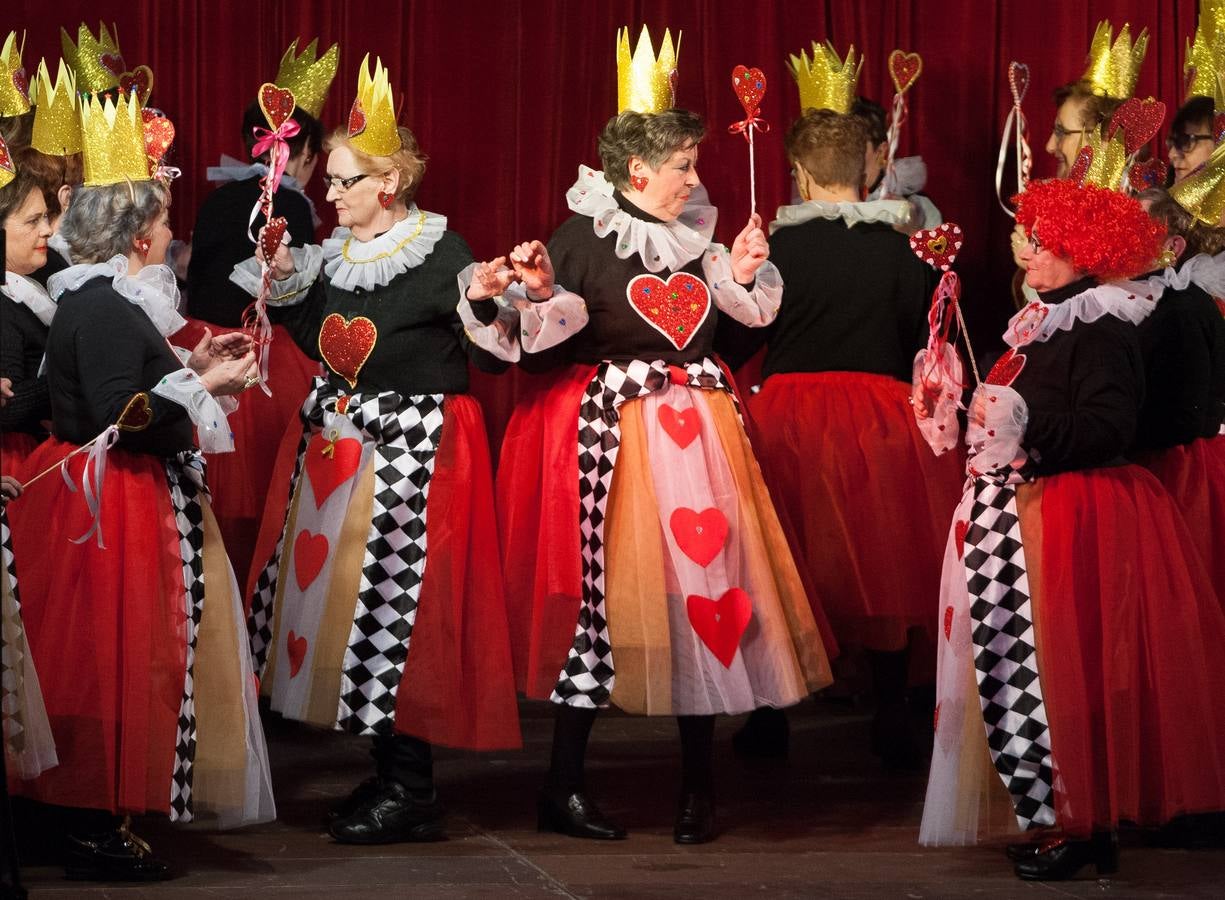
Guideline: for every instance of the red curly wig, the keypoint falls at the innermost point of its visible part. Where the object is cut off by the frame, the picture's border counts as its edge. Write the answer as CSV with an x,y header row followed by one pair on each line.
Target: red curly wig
x,y
1103,233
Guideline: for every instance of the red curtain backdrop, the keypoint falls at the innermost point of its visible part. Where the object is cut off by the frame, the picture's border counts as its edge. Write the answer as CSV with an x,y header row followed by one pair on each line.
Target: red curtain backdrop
x,y
507,98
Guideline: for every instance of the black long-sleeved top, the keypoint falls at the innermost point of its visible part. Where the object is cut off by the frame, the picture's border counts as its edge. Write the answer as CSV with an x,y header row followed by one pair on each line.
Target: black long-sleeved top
x,y
855,299
219,242
1083,388
1183,343
102,351
23,339
421,347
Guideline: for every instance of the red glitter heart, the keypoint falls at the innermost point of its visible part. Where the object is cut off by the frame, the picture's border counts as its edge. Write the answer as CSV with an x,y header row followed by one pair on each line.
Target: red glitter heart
x,y
21,83
959,535
1084,159
113,63
1140,121
295,645
277,104
750,87
270,240
346,344
159,135
939,246
330,464
699,535
6,161
676,309
681,426
1007,368
357,119
1147,174
720,623
137,413
140,80
310,552
905,69
1018,81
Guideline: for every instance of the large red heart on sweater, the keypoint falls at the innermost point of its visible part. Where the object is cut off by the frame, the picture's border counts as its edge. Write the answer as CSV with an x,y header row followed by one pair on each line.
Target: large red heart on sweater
x,y
346,344
1007,368
295,646
277,104
310,552
700,535
750,87
682,425
720,623
904,68
330,464
675,308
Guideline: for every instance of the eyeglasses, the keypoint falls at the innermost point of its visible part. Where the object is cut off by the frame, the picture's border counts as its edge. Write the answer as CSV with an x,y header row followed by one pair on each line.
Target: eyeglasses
x,y
1184,142
1035,245
342,184
1060,132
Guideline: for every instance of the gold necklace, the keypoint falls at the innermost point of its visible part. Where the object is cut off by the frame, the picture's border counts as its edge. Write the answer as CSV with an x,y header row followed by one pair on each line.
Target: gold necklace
x,y
344,249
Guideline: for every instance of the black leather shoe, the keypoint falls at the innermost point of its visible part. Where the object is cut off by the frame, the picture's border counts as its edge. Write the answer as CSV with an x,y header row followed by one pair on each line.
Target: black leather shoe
x,y
112,856
359,797
575,815
1023,850
391,816
695,819
766,735
1061,859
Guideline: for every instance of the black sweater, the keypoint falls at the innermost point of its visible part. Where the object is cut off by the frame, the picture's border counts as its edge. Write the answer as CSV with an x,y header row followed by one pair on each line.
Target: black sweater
x,y
23,338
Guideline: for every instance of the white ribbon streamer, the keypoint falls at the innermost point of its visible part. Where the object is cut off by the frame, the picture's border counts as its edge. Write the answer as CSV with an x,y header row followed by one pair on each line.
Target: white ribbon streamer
x,y
92,485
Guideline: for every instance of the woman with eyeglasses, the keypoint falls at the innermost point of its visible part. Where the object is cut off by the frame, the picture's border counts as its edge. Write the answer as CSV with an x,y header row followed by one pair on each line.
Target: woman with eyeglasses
x,y
377,604
1191,139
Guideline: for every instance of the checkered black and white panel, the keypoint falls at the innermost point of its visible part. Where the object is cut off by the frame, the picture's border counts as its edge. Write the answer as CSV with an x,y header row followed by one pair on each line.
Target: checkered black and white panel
x,y
587,678
10,706
189,518
406,432
1005,654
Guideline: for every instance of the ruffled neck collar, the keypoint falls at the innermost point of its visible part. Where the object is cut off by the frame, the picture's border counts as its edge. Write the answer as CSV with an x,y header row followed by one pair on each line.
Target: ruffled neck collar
x,y
153,289
1204,271
231,169
891,212
30,294
660,245
57,243
353,264
1082,301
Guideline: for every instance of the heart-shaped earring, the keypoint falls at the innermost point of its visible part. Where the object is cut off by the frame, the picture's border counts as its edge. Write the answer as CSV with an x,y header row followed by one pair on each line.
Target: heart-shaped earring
x,y
142,246
638,182
386,199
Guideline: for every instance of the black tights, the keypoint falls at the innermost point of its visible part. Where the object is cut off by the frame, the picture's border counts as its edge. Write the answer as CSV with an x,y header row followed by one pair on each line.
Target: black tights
x,y
405,759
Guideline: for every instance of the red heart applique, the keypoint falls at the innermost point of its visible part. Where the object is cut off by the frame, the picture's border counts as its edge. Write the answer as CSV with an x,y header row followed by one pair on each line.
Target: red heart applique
x,y
113,63
21,83
1084,159
346,344
140,80
750,87
296,647
959,535
310,552
948,622
1140,121
700,535
357,119
277,104
938,247
904,69
936,718
329,465
1007,368
1018,81
274,231
1148,174
720,623
6,161
676,308
137,414
682,425
159,135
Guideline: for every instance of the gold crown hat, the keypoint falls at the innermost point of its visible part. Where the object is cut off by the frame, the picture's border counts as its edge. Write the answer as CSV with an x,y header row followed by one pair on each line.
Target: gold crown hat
x,y
113,141
372,119
307,77
1203,194
1108,162
1204,64
8,169
57,119
96,62
826,81
14,86
1115,67
646,83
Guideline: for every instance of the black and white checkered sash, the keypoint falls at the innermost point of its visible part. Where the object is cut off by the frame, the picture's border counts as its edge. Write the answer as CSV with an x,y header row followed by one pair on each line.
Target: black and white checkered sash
x,y
11,648
1005,651
587,678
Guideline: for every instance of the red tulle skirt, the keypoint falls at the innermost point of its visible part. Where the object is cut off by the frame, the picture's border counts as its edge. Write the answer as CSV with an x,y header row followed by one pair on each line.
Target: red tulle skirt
x,y
107,628
1194,474
16,448
866,499
239,480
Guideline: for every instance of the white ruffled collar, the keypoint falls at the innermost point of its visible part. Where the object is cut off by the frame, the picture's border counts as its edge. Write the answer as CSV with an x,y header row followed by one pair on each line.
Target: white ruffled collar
x,y
660,245
231,169
57,243
30,294
153,289
1130,301
1204,271
352,264
891,212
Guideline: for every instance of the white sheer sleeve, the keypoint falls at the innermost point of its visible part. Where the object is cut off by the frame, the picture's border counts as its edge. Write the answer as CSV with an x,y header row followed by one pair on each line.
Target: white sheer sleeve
x,y
522,323
207,413
756,306
307,261
938,382
996,444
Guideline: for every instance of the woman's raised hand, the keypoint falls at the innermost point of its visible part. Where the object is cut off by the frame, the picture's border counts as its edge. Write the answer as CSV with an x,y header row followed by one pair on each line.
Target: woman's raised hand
x,y
490,279
534,269
282,262
749,251
210,351
231,376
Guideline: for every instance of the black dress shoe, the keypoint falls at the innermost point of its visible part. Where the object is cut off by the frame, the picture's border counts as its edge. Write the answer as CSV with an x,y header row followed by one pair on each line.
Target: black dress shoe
x,y
1061,859
1023,850
391,816
359,797
695,819
766,735
112,856
575,815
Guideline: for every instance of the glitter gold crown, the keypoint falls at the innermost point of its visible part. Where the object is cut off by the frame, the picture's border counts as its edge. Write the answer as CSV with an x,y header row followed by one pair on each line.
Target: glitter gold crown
x,y
96,62
1115,67
1203,194
372,120
14,88
113,141
1204,64
826,81
57,120
1109,160
646,83
307,77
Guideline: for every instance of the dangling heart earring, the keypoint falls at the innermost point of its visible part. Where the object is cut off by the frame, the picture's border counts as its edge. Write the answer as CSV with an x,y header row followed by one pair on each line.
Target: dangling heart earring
x,y
638,182
386,199
142,246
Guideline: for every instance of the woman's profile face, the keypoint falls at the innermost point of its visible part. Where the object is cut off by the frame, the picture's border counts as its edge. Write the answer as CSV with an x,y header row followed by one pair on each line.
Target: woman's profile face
x,y
26,231
159,236
1067,135
668,187
1044,270
1190,148
358,204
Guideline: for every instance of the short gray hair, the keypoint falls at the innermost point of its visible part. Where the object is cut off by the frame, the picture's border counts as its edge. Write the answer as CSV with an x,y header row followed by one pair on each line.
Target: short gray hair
x,y
652,137
102,221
